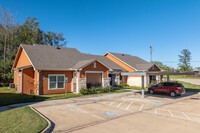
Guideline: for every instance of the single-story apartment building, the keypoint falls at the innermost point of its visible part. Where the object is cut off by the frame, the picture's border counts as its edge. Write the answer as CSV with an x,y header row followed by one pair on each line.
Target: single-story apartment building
x,y
135,64
42,69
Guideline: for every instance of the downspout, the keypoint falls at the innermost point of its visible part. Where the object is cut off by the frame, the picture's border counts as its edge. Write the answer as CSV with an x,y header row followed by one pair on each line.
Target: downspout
x,y
77,82
72,83
38,82
22,81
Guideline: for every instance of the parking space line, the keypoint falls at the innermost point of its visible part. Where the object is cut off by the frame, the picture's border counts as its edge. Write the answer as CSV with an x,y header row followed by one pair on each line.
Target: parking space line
x,y
173,117
178,112
105,102
186,116
141,107
83,111
111,103
171,113
97,117
120,104
129,105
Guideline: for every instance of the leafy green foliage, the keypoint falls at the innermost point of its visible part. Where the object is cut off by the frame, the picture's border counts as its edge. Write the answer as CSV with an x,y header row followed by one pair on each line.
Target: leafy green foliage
x,y
184,61
86,91
123,85
164,67
12,35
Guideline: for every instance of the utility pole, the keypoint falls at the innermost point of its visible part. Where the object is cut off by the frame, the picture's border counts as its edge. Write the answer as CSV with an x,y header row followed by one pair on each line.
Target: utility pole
x,y
150,53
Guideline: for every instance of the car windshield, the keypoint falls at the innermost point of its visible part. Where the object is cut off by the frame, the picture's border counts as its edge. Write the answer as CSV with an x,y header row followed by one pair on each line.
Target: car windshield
x,y
180,84
160,85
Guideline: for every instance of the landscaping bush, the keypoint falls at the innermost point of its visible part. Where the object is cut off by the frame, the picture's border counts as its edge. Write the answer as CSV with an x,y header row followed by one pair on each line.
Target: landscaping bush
x,y
86,91
122,85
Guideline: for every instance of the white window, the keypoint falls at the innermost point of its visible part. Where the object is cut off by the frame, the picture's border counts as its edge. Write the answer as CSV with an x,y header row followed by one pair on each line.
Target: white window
x,y
56,82
95,65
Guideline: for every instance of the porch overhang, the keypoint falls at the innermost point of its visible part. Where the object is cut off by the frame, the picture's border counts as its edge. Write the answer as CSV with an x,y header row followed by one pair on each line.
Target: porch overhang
x,y
157,73
24,67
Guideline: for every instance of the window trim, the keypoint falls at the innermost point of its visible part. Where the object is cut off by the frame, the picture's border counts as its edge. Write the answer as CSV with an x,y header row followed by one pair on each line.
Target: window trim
x,y
56,81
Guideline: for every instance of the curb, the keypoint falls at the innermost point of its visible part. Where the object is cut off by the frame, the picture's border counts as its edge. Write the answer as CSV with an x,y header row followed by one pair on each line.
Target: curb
x,y
50,126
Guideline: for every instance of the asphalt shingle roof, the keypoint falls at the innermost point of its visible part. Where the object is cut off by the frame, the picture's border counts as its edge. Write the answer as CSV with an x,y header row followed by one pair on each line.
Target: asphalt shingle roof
x,y
45,57
133,61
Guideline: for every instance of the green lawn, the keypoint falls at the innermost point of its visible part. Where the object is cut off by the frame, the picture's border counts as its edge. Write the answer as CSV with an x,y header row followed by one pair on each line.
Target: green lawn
x,y
181,77
9,96
21,120
190,87
134,87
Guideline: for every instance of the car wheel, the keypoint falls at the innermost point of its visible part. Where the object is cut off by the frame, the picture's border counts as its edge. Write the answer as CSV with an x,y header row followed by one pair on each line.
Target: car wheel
x,y
172,94
151,91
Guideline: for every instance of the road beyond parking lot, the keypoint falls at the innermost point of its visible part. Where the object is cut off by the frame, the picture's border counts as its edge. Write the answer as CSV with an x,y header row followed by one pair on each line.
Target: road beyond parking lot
x,y
191,81
125,114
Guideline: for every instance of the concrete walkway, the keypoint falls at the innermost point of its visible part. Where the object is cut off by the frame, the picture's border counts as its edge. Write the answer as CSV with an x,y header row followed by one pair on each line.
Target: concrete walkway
x,y
192,81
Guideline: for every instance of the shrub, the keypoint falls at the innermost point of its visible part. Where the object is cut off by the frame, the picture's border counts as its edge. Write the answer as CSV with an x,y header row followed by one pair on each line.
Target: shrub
x,y
122,85
86,91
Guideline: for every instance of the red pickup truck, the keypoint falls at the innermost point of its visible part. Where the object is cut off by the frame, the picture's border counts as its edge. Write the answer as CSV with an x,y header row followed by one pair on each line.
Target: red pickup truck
x,y
171,88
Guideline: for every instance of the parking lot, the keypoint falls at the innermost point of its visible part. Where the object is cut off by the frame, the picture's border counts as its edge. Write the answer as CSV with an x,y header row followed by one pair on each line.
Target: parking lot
x,y
125,113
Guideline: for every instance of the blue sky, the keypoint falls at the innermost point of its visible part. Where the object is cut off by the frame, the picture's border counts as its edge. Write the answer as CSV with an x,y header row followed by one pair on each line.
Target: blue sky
x,y
124,26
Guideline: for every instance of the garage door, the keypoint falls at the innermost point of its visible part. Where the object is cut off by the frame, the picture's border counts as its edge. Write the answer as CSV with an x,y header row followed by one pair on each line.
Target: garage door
x,y
93,79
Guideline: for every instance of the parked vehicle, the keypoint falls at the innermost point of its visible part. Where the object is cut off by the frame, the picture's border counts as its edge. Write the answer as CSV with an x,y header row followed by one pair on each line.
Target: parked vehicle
x,y
172,88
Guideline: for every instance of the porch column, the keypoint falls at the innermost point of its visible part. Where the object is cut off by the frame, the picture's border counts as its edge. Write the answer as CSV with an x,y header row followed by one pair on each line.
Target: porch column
x,y
167,78
142,86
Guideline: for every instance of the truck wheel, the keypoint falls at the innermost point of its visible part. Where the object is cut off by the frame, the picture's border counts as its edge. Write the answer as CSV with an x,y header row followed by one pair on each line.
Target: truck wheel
x,y
173,94
151,91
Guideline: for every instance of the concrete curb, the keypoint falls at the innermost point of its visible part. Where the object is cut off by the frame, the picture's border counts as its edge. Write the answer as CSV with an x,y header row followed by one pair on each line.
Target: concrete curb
x,y
50,126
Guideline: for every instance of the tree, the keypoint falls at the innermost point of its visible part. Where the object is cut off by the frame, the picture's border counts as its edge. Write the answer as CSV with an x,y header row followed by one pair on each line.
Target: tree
x,y
184,61
8,30
12,35
54,39
163,67
29,32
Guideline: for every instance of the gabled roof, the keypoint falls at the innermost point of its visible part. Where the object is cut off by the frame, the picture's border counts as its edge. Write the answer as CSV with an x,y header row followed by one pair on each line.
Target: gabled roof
x,y
133,61
82,63
104,60
45,57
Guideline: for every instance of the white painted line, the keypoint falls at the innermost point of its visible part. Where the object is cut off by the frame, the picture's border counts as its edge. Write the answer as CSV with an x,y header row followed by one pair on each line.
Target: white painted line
x,y
129,105
186,116
171,113
104,102
120,104
173,117
178,111
141,107
83,111
111,103
97,117
156,111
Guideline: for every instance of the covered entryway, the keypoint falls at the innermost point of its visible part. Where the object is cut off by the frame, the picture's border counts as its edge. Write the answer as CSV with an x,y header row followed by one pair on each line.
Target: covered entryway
x,y
93,79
